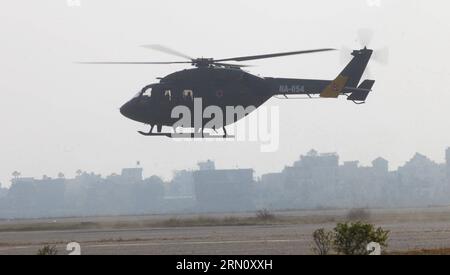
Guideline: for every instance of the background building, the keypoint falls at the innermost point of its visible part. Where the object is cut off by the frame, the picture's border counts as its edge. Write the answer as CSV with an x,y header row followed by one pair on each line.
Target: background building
x,y
447,158
224,190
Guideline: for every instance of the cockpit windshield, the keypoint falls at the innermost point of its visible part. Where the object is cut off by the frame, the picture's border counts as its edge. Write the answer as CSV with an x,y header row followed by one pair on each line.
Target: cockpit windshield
x,y
146,91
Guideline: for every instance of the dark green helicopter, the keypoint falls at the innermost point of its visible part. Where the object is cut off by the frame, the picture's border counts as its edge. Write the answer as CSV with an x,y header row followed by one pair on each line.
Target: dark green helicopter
x,y
219,83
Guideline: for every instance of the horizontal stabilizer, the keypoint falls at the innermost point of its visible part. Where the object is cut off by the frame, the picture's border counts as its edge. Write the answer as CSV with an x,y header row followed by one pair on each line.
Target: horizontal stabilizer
x,y
362,92
359,95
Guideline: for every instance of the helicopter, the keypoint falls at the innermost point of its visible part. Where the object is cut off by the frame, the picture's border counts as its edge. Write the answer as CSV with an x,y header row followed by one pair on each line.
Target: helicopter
x,y
217,82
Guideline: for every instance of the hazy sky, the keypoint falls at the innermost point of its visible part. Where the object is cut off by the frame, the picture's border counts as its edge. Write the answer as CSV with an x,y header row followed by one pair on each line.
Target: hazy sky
x,y
57,116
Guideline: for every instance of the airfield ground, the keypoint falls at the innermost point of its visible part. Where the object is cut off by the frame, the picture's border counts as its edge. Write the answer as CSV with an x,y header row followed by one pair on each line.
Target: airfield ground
x,y
413,231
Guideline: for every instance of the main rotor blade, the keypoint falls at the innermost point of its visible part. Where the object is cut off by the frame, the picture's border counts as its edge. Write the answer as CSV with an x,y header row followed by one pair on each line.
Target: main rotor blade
x,y
135,63
254,57
167,50
231,65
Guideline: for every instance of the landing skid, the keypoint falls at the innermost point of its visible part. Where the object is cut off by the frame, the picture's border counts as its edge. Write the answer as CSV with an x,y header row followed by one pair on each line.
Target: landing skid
x,y
174,135
158,134
204,136
186,135
155,134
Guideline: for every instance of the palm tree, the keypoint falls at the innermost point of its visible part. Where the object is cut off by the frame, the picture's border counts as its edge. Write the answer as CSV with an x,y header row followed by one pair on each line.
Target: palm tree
x,y
16,174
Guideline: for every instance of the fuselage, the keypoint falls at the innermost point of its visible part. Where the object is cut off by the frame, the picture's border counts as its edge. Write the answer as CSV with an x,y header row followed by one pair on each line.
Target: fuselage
x,y
215,86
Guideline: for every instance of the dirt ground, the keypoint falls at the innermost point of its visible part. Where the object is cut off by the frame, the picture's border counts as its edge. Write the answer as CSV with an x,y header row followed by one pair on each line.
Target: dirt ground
x,y
413,231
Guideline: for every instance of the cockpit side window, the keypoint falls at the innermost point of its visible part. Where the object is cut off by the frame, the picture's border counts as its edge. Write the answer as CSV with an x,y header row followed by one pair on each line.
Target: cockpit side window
x,y
168,94
188,94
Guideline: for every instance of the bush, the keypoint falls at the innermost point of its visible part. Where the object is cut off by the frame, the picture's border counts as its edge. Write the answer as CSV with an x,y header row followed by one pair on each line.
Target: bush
x,y
353,238
265,215
323,241
359,214
48,250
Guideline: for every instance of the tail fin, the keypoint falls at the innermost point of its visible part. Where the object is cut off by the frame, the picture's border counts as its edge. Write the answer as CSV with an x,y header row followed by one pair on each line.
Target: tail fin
x,y
355,69
350,76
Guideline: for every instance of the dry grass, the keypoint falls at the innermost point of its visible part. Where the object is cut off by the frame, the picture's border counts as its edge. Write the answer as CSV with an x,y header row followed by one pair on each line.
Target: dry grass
x,y
262,217
49,226
265,215
212,221
358,214
171,222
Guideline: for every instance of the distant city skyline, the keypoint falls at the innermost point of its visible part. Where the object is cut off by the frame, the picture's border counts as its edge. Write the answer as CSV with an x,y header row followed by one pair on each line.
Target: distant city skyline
x,y
315,181
208,161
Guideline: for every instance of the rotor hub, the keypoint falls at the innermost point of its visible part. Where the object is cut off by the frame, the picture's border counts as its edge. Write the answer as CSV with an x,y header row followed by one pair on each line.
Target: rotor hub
x,y
202,62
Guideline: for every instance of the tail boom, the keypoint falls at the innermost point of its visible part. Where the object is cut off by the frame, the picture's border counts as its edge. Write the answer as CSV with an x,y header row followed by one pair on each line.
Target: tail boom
x,y
346,83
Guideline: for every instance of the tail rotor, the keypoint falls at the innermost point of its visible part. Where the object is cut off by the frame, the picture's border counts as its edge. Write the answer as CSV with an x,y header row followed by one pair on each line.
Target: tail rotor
x,y
364,39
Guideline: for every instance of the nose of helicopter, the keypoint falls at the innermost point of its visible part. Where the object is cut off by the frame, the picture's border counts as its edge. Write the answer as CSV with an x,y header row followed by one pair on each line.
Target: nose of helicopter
x,y
127,110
